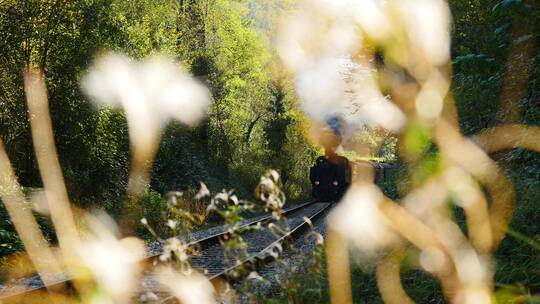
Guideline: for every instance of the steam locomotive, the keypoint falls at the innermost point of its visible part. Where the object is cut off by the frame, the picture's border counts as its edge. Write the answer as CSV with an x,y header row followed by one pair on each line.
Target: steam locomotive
x,y
331,177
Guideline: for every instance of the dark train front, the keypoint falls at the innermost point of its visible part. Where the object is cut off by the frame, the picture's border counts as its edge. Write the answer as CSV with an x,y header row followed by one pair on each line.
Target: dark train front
x,y
331,176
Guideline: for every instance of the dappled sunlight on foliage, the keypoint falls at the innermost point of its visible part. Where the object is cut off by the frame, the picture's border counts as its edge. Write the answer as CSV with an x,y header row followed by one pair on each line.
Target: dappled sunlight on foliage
x,y
437,108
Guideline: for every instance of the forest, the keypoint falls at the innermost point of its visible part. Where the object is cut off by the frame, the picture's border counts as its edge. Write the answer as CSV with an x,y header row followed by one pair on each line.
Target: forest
x,y
253,123
263,112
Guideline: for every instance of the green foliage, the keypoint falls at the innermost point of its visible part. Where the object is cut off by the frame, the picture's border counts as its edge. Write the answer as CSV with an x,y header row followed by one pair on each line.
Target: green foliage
x,y
9,238
182,162
392,180
60,37
154,210
416,140
517,259
484,31
253,123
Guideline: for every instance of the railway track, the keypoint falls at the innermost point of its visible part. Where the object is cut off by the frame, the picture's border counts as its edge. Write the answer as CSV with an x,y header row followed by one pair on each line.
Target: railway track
x,y
261,246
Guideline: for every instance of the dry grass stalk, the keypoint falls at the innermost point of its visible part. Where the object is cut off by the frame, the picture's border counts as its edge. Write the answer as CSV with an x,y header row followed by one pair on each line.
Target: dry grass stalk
x,y
21,215
413,36
51,173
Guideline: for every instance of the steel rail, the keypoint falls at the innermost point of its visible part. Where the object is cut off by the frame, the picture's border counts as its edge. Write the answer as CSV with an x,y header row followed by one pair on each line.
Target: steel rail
x,y
262,258
16,297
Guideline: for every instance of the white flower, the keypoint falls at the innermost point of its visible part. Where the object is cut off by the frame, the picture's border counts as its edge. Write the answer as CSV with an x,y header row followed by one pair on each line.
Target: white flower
x,y
203,191
269,192
275,251
174,247
211,206
277,230
275,176
308,221
371,17
222,196
192,288
172,224
113,262
148,297
318,44
321,39
319,238
428,27
358,218
151,92
254,276
165,256
172,197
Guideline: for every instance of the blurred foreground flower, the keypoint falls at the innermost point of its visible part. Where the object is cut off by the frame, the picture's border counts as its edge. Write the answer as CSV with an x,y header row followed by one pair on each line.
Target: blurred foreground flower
x,y
192,288
373,62
321,46
335,50
114,263
151,93
269,191
358,219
